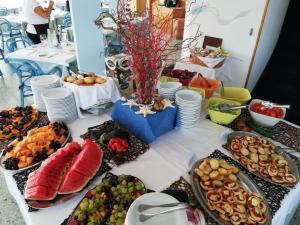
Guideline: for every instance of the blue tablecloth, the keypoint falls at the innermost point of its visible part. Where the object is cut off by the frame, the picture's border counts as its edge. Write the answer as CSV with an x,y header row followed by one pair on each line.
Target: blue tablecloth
x,y
146,128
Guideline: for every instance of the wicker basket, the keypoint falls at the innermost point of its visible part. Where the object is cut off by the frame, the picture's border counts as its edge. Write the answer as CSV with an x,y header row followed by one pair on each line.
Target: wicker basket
x,y
196,60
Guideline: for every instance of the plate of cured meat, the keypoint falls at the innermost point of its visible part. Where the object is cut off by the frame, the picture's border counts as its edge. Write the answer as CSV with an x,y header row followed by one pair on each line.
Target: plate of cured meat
x,y
27,151
227,194
16,120
262,158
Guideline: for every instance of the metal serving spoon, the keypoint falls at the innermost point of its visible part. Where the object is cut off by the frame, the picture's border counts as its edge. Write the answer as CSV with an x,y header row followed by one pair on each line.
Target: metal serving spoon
x,y
143,207
145,216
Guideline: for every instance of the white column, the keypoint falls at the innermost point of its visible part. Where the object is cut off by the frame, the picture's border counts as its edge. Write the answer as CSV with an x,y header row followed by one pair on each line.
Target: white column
x,y
88,38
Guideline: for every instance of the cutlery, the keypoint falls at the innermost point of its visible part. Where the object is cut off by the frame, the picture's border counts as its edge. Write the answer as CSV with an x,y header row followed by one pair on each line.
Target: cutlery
x,y
50,56
271,105
143,207
145,216
224,108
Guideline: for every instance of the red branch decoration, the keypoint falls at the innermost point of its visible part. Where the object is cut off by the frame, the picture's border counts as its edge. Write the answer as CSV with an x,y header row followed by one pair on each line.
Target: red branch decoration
x,y
145,41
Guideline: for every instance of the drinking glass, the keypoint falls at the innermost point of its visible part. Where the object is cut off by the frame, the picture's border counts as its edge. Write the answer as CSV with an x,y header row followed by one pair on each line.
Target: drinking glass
x,y
43,38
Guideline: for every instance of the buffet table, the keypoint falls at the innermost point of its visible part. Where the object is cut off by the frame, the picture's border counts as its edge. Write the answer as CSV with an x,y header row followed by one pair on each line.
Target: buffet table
x,y
159,167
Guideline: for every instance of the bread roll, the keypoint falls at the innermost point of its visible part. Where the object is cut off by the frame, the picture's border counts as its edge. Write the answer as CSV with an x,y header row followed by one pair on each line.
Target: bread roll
x,y
71,79
89,80
100,80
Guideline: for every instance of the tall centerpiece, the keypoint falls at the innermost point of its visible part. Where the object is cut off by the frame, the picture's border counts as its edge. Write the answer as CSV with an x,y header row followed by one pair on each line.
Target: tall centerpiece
x,y
146,44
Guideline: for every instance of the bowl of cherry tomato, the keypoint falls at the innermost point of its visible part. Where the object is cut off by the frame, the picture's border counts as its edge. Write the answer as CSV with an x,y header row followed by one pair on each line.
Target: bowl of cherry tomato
x,y
265,116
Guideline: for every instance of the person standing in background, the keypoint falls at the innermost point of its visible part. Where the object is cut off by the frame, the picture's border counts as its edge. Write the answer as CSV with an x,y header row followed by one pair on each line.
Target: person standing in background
x,y
37,18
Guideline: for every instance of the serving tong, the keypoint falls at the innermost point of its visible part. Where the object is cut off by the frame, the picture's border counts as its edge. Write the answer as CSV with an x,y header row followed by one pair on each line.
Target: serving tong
x,y
267,104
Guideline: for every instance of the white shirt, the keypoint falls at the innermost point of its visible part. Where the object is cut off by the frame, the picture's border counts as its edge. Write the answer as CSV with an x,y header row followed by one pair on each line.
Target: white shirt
x,y
30,16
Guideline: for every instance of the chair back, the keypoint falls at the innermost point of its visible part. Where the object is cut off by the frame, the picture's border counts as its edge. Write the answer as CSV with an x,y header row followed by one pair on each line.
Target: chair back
x,y
3,11
5,26
15,43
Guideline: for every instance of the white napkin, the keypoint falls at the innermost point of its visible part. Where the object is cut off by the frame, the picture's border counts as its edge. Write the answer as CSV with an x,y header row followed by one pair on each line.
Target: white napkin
x,y
87,96
210,62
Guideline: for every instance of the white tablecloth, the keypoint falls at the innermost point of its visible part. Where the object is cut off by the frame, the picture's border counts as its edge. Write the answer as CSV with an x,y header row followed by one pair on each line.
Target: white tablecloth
x,y
163,164
55,56
88,96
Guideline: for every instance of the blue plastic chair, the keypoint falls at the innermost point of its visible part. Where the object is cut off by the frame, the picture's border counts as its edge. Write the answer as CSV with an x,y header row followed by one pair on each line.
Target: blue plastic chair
x,y
7,30
3,11
1,58
26,70
14,43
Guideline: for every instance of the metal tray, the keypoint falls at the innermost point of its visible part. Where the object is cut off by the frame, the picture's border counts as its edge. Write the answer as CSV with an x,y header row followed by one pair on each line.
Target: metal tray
x,y
25,168
59,199
292,164
243,180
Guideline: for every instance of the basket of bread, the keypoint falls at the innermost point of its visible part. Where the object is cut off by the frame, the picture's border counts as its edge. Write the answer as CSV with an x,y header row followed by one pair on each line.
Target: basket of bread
x,y
209,57
227,194
84,79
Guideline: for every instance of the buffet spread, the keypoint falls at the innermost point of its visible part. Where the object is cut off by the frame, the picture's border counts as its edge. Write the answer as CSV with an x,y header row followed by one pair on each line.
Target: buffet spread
x,y
185,150
72,178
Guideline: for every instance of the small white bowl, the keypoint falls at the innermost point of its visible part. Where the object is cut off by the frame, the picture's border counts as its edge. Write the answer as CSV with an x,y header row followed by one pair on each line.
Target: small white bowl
x,y
264,120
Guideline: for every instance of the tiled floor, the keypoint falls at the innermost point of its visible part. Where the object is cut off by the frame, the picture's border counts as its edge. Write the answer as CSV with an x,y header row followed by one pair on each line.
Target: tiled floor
x,y
9,212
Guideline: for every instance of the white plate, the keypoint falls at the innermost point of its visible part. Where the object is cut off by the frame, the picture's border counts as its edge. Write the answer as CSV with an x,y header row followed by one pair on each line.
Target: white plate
x,y
188,96
46,80
170,85
178,217
57,93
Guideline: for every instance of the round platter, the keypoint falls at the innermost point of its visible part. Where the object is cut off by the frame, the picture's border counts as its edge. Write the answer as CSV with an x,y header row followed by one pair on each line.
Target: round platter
x,y
243,180
59,199
178,217
113,203
291,163
2,155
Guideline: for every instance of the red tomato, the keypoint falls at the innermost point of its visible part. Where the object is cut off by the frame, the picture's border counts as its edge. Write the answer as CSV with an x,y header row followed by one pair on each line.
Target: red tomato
x,y
273,112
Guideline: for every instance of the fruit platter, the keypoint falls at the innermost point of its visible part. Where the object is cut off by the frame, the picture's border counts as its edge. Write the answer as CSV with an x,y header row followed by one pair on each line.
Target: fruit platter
x,y
39,143
184,76
262,158
16,120
108,202
84,79
63,175
228,195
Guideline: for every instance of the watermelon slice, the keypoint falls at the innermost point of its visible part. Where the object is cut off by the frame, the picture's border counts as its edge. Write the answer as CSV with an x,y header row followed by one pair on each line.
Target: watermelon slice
x,y
43,183
84,167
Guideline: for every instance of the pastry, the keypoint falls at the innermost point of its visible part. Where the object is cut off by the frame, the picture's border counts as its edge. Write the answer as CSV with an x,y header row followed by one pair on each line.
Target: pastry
x,y
227,196
257,155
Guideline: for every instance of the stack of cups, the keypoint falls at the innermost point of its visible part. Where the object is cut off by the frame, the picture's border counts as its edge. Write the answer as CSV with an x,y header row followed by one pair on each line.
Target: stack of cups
x,y
189,108
40,84
60,104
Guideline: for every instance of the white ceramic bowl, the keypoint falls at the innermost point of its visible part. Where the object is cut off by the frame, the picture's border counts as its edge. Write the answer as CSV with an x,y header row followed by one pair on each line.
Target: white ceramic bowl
x,y
264,120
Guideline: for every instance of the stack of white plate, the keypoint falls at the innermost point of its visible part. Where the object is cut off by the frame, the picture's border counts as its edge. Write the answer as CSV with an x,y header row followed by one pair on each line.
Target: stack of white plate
x,y
40,84
60,104
189,108
168,89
